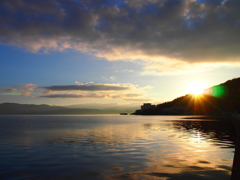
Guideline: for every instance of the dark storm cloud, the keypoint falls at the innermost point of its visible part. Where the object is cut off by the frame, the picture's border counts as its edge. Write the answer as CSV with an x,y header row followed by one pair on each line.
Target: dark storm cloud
x,y
186,30
97,87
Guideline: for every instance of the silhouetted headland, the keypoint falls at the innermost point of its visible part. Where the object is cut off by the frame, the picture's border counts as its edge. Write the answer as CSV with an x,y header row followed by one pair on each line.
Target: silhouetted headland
x,y
219,100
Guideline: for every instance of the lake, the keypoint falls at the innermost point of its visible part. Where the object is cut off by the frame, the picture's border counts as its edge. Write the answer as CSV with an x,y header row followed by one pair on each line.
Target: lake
x,y
115,147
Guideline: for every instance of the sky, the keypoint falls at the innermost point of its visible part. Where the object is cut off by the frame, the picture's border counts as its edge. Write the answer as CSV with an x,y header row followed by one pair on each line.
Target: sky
x,y
115,52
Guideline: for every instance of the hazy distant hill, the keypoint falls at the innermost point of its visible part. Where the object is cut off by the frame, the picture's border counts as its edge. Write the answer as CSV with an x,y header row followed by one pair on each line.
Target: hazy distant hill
x,y
23,109
222,98
107,106
14,108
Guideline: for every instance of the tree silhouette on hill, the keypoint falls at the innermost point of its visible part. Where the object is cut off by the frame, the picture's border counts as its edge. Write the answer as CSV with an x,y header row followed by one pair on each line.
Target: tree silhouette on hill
x,y
222,98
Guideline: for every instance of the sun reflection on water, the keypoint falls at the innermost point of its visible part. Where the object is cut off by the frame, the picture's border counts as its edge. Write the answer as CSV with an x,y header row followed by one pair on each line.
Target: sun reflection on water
x,y
148,148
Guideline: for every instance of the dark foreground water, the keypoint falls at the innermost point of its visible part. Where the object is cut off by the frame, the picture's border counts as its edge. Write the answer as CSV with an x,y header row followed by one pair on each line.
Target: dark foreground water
x,y
115,147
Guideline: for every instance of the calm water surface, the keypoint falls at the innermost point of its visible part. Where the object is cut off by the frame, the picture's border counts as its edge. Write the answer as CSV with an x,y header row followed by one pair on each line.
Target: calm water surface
x,y
115,147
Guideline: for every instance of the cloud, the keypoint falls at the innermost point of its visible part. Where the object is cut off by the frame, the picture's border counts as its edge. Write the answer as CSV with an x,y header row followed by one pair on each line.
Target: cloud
x,y
182,31
128,70
90,95
109,78
9,91
29,87
122,96
22,89
112,78
72,96
106,91
25,93
139,100
126,92
78,83
124,70
95,87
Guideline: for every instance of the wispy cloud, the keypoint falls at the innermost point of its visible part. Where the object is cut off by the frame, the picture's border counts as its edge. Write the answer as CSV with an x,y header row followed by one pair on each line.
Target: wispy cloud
x,y
90,95
109,78
9,91
112,78
183,32
139,100
84,91
95,87
72,96
29,87
125,70
22,89
107,91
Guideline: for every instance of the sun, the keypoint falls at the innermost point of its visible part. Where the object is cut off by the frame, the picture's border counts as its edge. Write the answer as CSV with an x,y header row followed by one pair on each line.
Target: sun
x,y
195,88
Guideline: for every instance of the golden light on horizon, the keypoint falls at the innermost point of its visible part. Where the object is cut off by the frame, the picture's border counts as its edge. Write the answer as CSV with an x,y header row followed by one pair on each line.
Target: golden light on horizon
x,y
195,88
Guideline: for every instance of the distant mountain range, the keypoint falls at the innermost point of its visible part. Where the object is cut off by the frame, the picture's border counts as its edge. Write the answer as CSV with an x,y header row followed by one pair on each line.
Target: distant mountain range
x,y
104,106
222,98
32,109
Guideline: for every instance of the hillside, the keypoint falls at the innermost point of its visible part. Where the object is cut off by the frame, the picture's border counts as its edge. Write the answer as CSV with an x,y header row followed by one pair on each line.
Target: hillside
x,y
27,109
222,98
